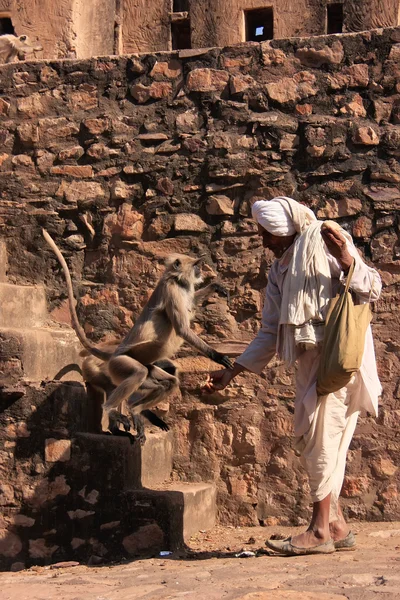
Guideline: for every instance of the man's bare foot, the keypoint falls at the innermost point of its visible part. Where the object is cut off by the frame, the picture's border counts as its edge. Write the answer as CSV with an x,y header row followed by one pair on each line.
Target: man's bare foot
x,y
339,529
311,538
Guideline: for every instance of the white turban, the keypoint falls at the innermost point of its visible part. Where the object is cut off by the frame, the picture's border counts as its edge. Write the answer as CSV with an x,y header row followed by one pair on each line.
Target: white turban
x,y
282,216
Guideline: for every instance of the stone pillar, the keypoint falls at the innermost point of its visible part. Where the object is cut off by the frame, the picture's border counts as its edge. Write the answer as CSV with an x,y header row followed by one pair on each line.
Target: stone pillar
x,y
360,15
66,28
146,25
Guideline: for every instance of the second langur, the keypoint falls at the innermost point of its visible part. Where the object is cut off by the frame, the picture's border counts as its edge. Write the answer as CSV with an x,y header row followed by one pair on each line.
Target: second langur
x,y
96,376
160,330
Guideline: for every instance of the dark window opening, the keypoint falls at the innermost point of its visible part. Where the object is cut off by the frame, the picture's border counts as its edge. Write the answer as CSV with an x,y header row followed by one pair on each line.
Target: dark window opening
x,y
180,33
6,26
334,18
180,6
259,24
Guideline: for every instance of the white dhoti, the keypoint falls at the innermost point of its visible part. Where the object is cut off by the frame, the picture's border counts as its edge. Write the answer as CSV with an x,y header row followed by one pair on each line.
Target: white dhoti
x,y
323,427
323,446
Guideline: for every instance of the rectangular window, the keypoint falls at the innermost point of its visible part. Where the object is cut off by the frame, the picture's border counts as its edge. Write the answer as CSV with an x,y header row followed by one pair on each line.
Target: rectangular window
x,y
180,34
6,25
180,6
334,18
259,24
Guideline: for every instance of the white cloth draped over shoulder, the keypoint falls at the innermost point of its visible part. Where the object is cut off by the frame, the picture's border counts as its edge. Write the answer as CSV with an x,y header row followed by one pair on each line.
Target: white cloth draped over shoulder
x,y
307,287
365,284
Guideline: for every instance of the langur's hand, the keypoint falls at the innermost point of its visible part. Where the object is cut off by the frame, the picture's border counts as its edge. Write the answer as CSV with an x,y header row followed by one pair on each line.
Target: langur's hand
x,y
222,359
217,380
220,289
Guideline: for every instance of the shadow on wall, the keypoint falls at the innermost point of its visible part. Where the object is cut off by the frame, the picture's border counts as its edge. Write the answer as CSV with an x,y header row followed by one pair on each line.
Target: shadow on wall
x,y
64,491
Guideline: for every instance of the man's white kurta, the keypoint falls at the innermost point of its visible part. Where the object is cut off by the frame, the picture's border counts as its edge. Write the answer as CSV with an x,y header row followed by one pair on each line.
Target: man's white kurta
x,y
366,284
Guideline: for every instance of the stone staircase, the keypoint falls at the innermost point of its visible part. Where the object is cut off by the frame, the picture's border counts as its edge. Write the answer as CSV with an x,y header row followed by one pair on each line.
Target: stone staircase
x,y
115,495
33,348
142,474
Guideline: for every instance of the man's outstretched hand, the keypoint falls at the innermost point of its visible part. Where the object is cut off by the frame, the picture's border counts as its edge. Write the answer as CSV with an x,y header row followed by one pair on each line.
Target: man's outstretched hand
x,y
218,380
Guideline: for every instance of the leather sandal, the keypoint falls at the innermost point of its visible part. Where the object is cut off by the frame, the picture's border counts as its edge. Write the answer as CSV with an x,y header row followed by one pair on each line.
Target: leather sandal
x,y
286,547
347,543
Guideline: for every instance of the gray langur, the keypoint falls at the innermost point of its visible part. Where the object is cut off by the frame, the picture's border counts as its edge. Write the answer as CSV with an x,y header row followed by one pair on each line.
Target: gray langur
x,y
98,382
160,330
12,46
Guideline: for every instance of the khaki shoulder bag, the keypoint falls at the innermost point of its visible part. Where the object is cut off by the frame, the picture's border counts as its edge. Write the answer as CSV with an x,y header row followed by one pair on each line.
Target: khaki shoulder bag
x,y
344,338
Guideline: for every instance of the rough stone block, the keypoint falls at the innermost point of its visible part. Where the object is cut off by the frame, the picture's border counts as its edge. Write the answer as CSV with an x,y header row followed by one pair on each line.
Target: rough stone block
x,y
366,136
21,306
73,170
84,99
363,227
156,91
171,69
241,83
3,271
37,104
179,509
73,152
97,126
291,89
148,538
83,193
219,205
127,224
311,57
189,121
4,107
207,80
384,198
189,222
340,208
57,450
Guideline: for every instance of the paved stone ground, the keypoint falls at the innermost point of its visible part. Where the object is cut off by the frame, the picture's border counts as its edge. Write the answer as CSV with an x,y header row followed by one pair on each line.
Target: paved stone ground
x,y
211,571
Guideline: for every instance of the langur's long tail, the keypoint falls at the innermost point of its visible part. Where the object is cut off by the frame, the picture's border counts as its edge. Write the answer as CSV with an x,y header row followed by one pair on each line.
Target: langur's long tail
x,y
101,354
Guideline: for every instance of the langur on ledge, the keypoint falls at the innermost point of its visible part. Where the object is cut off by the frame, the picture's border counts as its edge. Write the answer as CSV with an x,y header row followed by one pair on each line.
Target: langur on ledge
x,y
160,330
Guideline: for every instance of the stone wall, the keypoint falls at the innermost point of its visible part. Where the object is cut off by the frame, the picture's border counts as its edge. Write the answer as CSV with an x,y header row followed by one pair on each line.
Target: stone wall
x,y
126,159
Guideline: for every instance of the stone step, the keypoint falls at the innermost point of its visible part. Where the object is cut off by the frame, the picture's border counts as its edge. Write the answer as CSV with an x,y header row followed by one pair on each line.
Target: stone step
x,y
40,354
3,261
179,509
125,465
154,459
22,306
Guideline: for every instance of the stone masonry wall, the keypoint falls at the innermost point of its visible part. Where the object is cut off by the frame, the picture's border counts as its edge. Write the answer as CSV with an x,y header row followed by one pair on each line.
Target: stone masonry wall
x,y
126,159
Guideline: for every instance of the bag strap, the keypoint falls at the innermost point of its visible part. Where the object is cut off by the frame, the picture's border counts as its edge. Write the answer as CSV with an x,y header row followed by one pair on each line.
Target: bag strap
x,y
372,287
350,275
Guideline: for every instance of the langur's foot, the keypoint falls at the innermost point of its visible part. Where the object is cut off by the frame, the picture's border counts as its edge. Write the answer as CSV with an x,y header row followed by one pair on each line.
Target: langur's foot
x,y
140,438
115,419
120,433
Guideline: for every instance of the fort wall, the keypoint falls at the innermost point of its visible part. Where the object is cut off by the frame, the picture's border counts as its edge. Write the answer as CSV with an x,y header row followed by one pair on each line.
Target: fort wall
x,y
126,159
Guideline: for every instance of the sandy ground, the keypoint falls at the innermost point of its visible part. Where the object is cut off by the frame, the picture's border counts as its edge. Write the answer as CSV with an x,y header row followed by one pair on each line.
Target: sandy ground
x,y
211,571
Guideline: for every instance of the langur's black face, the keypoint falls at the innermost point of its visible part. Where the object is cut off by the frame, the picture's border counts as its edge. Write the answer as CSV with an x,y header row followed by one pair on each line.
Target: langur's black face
x,y
186,268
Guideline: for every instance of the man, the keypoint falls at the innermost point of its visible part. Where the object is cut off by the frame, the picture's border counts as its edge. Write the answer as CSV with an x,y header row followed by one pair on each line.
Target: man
x,y
312,260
